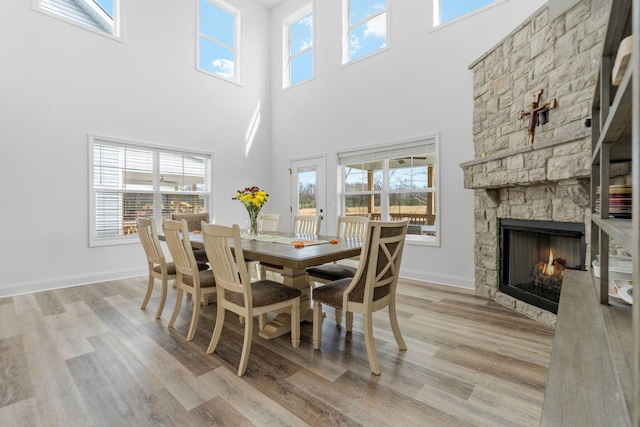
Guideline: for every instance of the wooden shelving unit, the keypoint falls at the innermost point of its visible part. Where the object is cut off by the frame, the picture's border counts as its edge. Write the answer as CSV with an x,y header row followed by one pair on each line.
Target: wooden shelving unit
x,y
615,124
594,374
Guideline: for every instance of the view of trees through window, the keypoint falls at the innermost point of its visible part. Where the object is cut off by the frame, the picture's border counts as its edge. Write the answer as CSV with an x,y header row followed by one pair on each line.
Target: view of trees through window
x,y
392,190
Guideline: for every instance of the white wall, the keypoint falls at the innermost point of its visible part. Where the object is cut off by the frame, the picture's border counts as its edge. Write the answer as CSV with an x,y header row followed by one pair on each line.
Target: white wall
x,y
59,82
420,86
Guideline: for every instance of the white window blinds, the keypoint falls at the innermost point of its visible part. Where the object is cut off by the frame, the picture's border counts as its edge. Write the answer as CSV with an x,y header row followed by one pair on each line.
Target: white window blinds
x,y
130,180
372,154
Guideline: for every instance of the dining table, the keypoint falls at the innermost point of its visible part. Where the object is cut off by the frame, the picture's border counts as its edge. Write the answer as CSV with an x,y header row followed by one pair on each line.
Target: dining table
x,y
291,253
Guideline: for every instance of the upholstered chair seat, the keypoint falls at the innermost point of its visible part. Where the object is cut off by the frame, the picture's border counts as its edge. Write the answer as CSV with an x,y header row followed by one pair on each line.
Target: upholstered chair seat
x,y
171,268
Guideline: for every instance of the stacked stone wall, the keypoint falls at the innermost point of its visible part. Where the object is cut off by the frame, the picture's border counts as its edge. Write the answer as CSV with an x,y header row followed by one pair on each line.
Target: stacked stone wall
x,y
549,179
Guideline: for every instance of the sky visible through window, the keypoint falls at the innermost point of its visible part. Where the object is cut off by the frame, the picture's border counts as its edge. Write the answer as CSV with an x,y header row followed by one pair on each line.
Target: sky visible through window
x,y
106,5
301,38
368,32
217,40
451,9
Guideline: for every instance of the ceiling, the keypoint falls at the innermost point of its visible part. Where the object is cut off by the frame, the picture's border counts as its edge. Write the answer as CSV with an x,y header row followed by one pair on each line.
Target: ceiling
x,y
269,3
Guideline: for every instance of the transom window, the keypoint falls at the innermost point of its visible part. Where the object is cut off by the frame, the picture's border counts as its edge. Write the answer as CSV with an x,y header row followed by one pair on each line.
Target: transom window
x,y
130,180
298,47
100,16
448,10
218,35
364,28
394,182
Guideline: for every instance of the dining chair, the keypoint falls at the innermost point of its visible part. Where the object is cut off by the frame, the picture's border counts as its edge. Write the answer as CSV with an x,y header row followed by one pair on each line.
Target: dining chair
x,y
199,284
193,224
238,294
307,224
349,227
159,268
372,288
269,222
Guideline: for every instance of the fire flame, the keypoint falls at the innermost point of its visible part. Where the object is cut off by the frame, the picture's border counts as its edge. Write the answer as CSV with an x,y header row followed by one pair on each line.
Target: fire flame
x,y
548,269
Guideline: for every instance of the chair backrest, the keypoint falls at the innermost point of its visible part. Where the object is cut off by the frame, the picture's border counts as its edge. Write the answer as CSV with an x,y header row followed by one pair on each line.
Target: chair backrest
x,y
379,267
307,224
193,219
176,233
149,239
229,268
269,222
352,226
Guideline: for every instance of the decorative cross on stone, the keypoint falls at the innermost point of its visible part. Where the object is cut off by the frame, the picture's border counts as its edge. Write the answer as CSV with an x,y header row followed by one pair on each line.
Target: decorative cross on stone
x,y
536,109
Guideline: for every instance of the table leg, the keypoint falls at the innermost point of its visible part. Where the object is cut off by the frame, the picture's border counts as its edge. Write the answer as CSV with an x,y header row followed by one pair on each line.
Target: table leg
x,y
281,324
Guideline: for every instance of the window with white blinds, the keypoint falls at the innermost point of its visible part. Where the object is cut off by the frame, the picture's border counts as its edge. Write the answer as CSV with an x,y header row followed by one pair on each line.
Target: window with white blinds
x,y
129,180
392,182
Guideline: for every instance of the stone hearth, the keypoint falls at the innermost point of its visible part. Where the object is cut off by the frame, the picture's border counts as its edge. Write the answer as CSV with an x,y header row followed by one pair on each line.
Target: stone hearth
x,y
547,180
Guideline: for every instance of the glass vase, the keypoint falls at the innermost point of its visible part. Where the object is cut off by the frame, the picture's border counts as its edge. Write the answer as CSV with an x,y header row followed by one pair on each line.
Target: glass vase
x,y
252,227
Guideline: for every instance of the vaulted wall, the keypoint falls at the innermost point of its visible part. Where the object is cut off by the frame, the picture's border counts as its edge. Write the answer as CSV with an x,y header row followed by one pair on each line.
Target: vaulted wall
x,y
420,86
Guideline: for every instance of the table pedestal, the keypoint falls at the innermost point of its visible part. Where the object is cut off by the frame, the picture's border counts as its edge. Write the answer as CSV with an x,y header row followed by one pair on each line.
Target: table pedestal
x,y
281,324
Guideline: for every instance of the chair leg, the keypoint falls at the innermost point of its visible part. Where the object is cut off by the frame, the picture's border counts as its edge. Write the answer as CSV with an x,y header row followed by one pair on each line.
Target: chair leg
x,y
295,323
217,330
194,316
338,316
317,324
145,301
262,320
393,319
176,309
246,347
370,344
163,298
349,321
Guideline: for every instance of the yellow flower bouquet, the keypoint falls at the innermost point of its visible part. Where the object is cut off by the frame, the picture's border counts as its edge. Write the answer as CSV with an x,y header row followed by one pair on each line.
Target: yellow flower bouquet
x,y
253,198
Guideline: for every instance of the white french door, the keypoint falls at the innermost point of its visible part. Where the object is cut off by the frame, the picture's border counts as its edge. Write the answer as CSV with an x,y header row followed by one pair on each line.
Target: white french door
x,y
308,188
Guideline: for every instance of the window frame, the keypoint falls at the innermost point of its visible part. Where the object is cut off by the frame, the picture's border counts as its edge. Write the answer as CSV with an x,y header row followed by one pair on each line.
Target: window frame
x,y
118,26
386,152
237,48
347,28
157,192
287,22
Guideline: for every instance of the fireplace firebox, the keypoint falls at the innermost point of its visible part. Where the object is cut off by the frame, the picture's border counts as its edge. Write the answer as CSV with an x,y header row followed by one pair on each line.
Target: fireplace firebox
x,y
534,256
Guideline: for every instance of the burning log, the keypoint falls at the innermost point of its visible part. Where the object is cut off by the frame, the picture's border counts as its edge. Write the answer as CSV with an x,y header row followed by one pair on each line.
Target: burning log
x,y
548,276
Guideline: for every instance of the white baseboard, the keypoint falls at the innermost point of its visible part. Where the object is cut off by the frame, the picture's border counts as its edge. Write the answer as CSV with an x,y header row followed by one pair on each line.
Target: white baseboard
x,y
440,279
12,289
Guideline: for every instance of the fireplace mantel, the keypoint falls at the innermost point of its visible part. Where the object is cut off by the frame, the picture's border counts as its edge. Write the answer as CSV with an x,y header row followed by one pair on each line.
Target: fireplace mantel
x,y
532,164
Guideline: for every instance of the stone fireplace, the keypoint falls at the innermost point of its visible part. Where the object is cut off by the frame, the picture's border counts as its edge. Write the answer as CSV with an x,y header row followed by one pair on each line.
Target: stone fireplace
x,y
546,180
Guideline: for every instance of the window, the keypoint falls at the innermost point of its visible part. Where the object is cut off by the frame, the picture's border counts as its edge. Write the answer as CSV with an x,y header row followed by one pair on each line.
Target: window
x,y
364,28
130,180
447,10
298,47
100,16
393,182
218,36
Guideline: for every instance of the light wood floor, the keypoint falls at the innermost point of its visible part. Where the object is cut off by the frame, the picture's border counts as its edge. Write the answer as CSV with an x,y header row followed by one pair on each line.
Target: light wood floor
x,y
89,356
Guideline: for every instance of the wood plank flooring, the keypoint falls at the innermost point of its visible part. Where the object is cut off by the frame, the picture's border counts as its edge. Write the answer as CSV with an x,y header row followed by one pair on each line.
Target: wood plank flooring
x,y
88,356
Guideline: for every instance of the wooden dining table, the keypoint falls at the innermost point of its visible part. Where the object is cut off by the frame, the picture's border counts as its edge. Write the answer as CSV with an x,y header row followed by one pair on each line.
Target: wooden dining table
x,y
293,261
